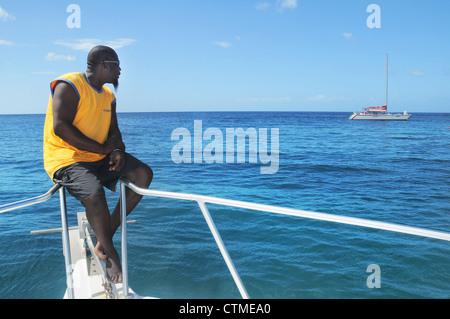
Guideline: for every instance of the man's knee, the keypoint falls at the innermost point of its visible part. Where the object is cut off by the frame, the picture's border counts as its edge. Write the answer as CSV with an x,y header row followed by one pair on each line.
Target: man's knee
x,y
141,176
148,174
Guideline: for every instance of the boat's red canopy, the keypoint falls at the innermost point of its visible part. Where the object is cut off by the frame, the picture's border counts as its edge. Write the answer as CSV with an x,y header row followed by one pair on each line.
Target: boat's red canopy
x,y
376,108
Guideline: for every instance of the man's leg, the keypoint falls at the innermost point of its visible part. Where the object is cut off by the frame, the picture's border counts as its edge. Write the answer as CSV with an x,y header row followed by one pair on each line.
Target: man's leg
x,y
98,216
142,177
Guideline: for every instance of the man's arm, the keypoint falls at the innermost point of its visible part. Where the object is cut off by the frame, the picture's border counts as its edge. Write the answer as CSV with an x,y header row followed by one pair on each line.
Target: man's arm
x,y
65,102
114,134
116,159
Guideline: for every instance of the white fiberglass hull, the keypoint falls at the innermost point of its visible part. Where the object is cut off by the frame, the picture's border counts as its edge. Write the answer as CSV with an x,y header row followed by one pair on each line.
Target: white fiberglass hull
x,y
380,117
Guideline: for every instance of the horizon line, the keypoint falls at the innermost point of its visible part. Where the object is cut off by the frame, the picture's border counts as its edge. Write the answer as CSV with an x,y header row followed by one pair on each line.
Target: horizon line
x,y
232,111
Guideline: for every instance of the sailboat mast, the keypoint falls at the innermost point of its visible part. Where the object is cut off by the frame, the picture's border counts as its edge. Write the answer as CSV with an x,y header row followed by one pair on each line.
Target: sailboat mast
x,y
387,70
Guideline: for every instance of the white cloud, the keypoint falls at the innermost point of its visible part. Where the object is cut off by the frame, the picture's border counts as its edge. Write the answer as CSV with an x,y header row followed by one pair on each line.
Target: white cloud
x,y
223,44
323,97
289,4
51,56
265,99
88,44
318,97
81,44
279,6
120,43
5,16
4,42
416,73
347,35
262,6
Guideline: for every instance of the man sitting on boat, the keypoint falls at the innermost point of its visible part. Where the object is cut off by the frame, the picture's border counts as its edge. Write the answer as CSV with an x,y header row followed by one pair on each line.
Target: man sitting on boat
x,y
84,151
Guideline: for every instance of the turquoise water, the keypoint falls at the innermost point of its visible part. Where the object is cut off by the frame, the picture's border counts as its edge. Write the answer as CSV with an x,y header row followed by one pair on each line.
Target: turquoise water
x,y
394,172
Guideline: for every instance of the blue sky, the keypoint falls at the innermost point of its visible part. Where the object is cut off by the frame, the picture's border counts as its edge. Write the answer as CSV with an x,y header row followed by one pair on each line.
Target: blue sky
x,y
249,55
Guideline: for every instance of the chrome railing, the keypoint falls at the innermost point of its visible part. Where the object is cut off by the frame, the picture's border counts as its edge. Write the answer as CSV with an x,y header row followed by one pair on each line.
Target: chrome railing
x,y
30,201
65,229
201,201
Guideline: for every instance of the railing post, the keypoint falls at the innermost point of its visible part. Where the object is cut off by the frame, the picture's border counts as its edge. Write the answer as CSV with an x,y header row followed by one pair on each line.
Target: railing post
x,y
66,244
223,250
123,214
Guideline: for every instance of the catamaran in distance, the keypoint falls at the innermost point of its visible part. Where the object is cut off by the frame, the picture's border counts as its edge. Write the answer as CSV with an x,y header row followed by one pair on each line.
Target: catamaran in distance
x,y
380,112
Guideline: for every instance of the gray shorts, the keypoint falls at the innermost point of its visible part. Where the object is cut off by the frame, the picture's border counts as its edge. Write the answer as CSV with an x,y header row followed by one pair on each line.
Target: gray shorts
x,y
85,179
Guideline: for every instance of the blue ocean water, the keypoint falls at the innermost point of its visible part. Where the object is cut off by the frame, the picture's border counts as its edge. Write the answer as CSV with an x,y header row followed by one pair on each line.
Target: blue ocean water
x,y
394,172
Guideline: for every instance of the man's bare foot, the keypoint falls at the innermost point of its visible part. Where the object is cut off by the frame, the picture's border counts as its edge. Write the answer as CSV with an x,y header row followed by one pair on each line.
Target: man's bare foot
x,y
100,252
113,270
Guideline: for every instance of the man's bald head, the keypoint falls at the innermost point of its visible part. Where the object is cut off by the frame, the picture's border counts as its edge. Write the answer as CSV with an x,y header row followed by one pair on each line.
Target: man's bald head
x,y
100,53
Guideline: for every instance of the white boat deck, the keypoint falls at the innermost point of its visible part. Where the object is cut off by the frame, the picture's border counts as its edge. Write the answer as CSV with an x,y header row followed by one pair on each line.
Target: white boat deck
x,y
89,279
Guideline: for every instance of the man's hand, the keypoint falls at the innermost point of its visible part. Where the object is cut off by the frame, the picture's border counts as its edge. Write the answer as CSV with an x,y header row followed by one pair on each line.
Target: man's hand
x,y
112,143
116,160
